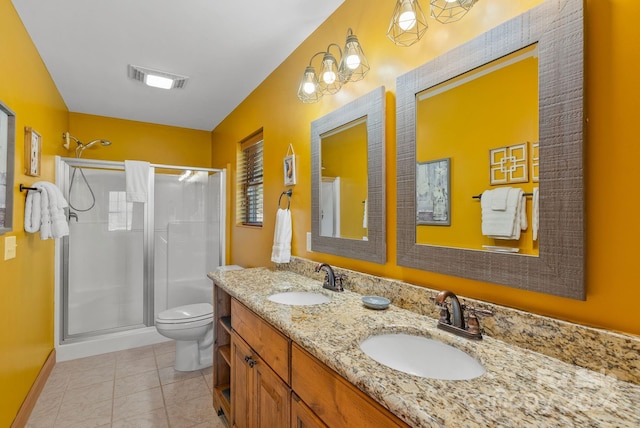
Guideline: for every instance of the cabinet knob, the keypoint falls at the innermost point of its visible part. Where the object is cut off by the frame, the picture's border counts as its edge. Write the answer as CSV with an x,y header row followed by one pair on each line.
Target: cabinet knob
x,y
252,363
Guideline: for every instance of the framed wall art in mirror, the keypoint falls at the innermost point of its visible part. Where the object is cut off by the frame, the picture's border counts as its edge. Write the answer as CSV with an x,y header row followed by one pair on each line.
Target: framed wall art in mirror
x,y
7,160
555,30
353,192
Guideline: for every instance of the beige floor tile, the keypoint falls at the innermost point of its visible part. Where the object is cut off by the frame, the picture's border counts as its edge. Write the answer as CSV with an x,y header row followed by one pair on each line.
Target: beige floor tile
x,y
167,347
136,383
170,375
88,394
82,378
165,360
41,421
138,403
193,412
134,367
87,363
154,419
135,353
84,416
185,390
47,405
208,378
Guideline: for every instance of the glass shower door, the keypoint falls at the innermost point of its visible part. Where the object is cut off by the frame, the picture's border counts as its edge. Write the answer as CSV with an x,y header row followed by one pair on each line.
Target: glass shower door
x,y
104,283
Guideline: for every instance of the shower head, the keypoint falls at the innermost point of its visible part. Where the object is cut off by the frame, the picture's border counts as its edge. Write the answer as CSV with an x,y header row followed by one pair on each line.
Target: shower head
x,y
81,147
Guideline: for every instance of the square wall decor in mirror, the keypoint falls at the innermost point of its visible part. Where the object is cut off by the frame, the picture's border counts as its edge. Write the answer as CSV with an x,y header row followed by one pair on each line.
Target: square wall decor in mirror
x,y
548,141
348,180
7,157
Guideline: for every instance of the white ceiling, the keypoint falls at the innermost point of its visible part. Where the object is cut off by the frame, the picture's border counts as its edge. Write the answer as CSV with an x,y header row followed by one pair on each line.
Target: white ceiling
x,y
226,48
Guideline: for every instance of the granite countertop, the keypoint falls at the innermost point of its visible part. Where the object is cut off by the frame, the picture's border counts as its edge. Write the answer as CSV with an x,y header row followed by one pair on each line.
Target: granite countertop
x,y
520,388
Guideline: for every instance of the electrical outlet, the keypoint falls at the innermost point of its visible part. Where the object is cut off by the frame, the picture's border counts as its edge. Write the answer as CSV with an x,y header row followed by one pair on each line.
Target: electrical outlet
x,y
309,241
10,247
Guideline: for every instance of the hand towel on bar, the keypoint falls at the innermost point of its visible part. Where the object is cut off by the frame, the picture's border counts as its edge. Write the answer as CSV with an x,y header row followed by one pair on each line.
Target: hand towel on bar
x,y
505,224
365,216
44,211
535,213
499,198
137,180
281,252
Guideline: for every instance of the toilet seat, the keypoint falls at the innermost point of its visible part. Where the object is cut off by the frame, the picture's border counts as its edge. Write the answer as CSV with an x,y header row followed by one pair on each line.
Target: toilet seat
x,y
186,314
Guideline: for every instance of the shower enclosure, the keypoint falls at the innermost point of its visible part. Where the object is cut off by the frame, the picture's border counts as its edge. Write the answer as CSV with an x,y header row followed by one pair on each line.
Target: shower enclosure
x,y
124,262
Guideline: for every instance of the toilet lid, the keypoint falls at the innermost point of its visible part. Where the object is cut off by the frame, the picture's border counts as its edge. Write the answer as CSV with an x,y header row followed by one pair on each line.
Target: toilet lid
x,y
186,313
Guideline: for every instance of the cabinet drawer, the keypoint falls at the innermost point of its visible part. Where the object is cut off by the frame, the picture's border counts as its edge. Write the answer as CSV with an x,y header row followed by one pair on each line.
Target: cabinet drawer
x,y
336,401
265,340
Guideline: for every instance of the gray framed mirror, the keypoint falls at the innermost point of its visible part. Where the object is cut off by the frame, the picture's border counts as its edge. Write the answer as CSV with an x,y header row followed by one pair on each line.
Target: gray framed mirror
x,y
556,28
7,157
348,180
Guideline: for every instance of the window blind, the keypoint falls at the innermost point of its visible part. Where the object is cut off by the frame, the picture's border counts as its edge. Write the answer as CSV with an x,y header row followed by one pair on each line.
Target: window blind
x,y
249,197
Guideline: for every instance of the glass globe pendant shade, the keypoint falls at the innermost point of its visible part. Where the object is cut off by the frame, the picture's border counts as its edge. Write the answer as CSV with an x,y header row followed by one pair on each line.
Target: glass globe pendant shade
x,y
353,65
408,23
448,11
309,90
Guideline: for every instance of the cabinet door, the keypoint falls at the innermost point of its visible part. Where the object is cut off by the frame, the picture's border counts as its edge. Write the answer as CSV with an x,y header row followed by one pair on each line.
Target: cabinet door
x,y
271,398
302,416
241,393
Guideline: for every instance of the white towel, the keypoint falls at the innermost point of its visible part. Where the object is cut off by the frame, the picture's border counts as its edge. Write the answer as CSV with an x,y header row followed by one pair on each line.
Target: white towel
x,y
504,224
535,213
44,211
499,198
365,216
137,180
281,252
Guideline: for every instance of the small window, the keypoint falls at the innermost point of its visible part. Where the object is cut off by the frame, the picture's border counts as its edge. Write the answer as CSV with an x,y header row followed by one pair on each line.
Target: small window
x,y
120,212
250,181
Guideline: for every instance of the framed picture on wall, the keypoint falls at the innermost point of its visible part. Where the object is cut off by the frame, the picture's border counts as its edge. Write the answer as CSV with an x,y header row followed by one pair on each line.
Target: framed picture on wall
x,y
32,152
7,156
290,170
433,195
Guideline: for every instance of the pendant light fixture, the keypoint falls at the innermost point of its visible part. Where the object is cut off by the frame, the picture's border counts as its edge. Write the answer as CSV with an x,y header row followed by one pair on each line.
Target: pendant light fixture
x,y
352,66
448,11
408,23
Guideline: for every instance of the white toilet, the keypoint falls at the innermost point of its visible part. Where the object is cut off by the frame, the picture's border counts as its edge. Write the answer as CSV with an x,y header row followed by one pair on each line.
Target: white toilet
x,y
191,326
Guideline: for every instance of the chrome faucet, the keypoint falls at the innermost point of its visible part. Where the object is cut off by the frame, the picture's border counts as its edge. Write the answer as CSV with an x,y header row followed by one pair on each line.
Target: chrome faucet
x,y
332,281
470,328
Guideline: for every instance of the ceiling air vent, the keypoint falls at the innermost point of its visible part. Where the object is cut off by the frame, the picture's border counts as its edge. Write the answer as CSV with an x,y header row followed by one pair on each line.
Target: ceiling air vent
x,y
156,78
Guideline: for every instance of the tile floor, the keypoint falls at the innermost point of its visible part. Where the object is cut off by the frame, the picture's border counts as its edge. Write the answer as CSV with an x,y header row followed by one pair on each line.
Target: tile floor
x,y
136,388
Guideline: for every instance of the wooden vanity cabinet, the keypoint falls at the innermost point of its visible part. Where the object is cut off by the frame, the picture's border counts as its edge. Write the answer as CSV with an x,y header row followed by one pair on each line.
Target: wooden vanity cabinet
x,y
221,351
260,394
332,398
302,416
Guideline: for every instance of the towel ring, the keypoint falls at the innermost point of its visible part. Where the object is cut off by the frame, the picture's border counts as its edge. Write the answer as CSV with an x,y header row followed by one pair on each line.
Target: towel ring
x,y
288,193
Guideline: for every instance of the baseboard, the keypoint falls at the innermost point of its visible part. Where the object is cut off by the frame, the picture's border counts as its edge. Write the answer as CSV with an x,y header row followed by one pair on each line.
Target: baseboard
x,y
32,397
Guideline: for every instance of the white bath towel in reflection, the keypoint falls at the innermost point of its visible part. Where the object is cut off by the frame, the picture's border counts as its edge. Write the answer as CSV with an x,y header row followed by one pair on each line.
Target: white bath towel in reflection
x,y
535,213
507,223
137,180
281,252
44,211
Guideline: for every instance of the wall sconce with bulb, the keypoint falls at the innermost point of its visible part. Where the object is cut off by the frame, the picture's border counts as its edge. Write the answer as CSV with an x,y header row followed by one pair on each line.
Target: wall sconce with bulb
x,y
351,67
408,22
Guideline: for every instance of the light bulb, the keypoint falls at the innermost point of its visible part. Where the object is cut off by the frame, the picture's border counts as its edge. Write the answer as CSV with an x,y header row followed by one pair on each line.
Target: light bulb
x,y
329,77
407,20
309,87
353,61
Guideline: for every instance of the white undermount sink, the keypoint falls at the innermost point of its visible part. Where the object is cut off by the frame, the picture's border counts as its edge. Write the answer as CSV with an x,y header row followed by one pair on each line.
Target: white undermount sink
x,y
299,298
422,357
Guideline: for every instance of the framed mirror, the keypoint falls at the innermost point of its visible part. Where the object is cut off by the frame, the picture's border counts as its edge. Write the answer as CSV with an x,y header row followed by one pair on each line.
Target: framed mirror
x,y
7,158
554,264
348,180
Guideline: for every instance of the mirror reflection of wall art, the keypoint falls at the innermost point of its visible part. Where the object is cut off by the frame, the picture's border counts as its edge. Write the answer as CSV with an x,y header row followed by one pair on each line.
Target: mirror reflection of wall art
x,y
290,167
32,152
433,196
508,164
535,162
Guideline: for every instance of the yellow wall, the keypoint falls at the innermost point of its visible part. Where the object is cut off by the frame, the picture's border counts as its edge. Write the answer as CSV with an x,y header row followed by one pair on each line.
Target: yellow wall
x,y
612,101
26,282
141,141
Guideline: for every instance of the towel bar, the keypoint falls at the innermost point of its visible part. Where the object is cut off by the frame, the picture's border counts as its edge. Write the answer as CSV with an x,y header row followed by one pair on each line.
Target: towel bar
x,y
480,195
23,188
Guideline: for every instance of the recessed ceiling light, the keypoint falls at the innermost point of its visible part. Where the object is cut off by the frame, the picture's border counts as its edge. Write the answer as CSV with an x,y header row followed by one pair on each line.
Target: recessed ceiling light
x,y
157,79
